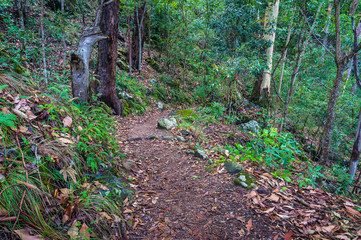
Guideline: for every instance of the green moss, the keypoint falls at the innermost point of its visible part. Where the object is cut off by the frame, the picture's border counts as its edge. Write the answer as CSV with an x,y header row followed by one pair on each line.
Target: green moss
x,y
126,109
153,64
246,180
188,114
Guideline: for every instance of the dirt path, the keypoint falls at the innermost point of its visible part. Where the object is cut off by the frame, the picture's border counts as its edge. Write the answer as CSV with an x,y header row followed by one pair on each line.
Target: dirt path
x,y
175,197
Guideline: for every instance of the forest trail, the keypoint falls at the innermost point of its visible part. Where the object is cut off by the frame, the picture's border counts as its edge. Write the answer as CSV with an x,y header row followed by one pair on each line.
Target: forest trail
x,y
175,197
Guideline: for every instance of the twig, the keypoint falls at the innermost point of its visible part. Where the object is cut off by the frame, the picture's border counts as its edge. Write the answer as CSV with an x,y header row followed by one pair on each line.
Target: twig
x,y
22,158
21,204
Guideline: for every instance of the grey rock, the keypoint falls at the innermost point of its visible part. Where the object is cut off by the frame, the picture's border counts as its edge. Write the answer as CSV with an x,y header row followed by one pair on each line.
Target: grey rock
x,y
167,123
246,180
180,138
124,95
190,152
153,81
233,167
135,139
151,138
185,133
252,126
167,138
200,154
160,105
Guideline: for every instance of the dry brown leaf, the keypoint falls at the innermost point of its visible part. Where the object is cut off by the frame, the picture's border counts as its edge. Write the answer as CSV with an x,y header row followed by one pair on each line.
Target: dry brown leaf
x,y
329,229
249,225
26,234
20,114
352,211
127,211
274,198
73,231
241,232
65,141
84,231
28,185
342,237
269,210
67,121
288,236
105,215
30,115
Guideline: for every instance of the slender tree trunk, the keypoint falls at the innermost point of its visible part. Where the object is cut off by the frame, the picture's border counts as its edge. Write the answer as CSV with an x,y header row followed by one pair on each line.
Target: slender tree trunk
x,y
63,34
43,42
270,25
138,35
298,65
283,62
327,27
107,56
20,6
355,155
327,132
129,47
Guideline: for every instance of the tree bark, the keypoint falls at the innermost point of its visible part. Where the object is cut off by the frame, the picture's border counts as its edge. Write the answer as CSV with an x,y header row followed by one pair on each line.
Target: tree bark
x,y
283,61
107,57
270,25
43,42
340,64
327,27
63,34
79,61
138,35
298,65
355,155
130,46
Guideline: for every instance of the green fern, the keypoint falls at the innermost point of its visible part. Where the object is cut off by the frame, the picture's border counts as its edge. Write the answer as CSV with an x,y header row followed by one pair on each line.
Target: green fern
x,y
7,120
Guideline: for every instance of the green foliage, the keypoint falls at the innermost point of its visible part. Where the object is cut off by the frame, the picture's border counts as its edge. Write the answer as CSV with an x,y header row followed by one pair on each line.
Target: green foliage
x,y
7,120
341,174
310,177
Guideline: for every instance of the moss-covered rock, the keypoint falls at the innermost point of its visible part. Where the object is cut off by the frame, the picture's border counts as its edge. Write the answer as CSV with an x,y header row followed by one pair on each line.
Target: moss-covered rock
x,y
187,114
233,167
246,180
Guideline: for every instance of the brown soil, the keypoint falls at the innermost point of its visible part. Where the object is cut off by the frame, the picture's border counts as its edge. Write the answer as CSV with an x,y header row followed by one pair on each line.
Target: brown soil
x,y
175,197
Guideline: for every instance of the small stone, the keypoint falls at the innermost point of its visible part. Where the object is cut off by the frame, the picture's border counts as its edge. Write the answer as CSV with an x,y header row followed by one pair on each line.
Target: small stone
x,y
153,81
135,139
151,138
261,190
200,154
252,126
233,167
246,180
125,95
190,152
185,133
243,184
167,138
180,138
160,105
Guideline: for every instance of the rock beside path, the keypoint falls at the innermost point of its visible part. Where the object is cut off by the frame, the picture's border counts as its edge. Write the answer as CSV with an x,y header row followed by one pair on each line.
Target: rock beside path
x,y
233,167
167,123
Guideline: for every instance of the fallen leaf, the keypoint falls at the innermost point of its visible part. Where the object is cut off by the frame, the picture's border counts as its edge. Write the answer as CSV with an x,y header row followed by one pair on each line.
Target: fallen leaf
x,y
65,141
73,231
274,198
105,215
127,211
26,234
249,225
342,237
269,210
288,236
30,115
241,232
352,211
84,231
67,121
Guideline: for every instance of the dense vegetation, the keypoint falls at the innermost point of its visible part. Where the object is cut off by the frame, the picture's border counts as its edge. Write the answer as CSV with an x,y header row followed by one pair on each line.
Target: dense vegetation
x,y
59,156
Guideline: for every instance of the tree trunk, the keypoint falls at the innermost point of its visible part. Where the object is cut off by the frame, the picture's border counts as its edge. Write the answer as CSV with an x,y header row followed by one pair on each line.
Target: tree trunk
x,y
107,57
327,27
271,16
130,47
43,43
79,61
296,69
355,155
283,61
20,6
138,35
327,132
63,34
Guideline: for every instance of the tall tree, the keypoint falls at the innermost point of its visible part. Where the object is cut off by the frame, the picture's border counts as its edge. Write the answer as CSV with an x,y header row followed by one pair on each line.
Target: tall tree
x,y
138,34
341,60
43,42
263,87
107,57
